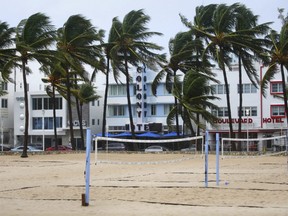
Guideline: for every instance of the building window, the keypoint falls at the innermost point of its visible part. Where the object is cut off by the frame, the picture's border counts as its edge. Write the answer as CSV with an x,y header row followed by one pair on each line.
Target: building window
x,y
93,103
4,103
168,108
153,110
252,111
4,86
93,122
36,103
276,88
247,88
48,122
37,123
117,90
219,89
116,110
48,103
277,110
220,112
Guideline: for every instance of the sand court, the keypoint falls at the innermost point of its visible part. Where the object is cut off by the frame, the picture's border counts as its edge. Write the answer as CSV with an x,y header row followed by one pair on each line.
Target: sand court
x,y
172,185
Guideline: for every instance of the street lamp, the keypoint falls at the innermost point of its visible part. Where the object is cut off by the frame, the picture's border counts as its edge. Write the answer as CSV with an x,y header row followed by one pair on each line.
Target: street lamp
x,y
247,113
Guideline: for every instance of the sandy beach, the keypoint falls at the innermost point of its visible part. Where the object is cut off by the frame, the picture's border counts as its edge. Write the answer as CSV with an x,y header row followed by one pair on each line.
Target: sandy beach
x,y
173,184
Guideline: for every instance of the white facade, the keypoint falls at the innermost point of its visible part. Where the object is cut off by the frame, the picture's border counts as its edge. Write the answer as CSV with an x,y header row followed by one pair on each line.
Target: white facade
x,y
262,116
265,118
41,114
265,115
7,114
146,108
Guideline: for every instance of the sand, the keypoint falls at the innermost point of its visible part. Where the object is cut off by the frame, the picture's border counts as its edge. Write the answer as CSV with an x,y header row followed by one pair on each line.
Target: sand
x,y
53,184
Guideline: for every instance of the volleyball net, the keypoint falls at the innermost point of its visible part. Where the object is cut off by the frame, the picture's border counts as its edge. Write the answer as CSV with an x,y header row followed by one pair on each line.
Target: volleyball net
x,y
254,146
109,149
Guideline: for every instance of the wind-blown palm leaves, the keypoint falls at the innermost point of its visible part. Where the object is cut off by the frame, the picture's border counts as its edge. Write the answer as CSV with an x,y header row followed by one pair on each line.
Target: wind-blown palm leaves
x,y
217,26
76,47
278,57
130,47
113,35
180,49
253,49
33,38
55,81
86,94
6,50
195,98
186,53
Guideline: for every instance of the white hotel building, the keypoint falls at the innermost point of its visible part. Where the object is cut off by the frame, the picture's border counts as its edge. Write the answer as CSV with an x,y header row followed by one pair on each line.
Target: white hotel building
x,y
262,116
265,118
40,129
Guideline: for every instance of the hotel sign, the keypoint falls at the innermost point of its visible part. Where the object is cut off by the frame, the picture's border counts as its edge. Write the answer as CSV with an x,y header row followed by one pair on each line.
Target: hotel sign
x,y
141,99
250,120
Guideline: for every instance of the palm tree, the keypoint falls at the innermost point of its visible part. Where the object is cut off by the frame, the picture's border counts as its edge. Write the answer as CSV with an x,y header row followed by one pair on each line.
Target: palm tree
x,y
76,45
246,22
131,48
195,95
6,43
278,57
6,52
282,17
55,77
186,53
32,40
113,35
86,94
180,48
221,36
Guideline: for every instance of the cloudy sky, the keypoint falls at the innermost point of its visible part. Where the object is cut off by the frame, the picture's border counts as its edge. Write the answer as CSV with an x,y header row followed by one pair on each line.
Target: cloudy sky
x,y
164,13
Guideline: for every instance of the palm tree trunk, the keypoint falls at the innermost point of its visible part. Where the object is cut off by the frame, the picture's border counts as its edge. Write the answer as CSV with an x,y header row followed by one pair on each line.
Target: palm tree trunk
x,y
80,117
228,103
24,153
284,92
188,122
79,113
177,112
128,99
222,66
240,102
70,111
228,106
105,98
54,117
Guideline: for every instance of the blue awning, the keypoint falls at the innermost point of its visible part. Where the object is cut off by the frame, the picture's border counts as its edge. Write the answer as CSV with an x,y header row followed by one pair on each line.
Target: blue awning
x,y
172,134
106,135
124,134
149,134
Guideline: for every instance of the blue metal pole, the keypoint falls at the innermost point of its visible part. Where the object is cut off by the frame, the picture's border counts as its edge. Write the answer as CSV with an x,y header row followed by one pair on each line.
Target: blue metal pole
x,y
87,171
217,159
206,158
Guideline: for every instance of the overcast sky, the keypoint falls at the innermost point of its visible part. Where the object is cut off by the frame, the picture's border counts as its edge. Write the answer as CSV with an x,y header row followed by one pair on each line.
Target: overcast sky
x,y
164,13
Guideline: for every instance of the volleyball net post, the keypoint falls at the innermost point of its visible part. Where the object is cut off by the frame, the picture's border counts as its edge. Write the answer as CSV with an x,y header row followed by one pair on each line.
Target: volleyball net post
x,y
86,196
206,158
217,159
